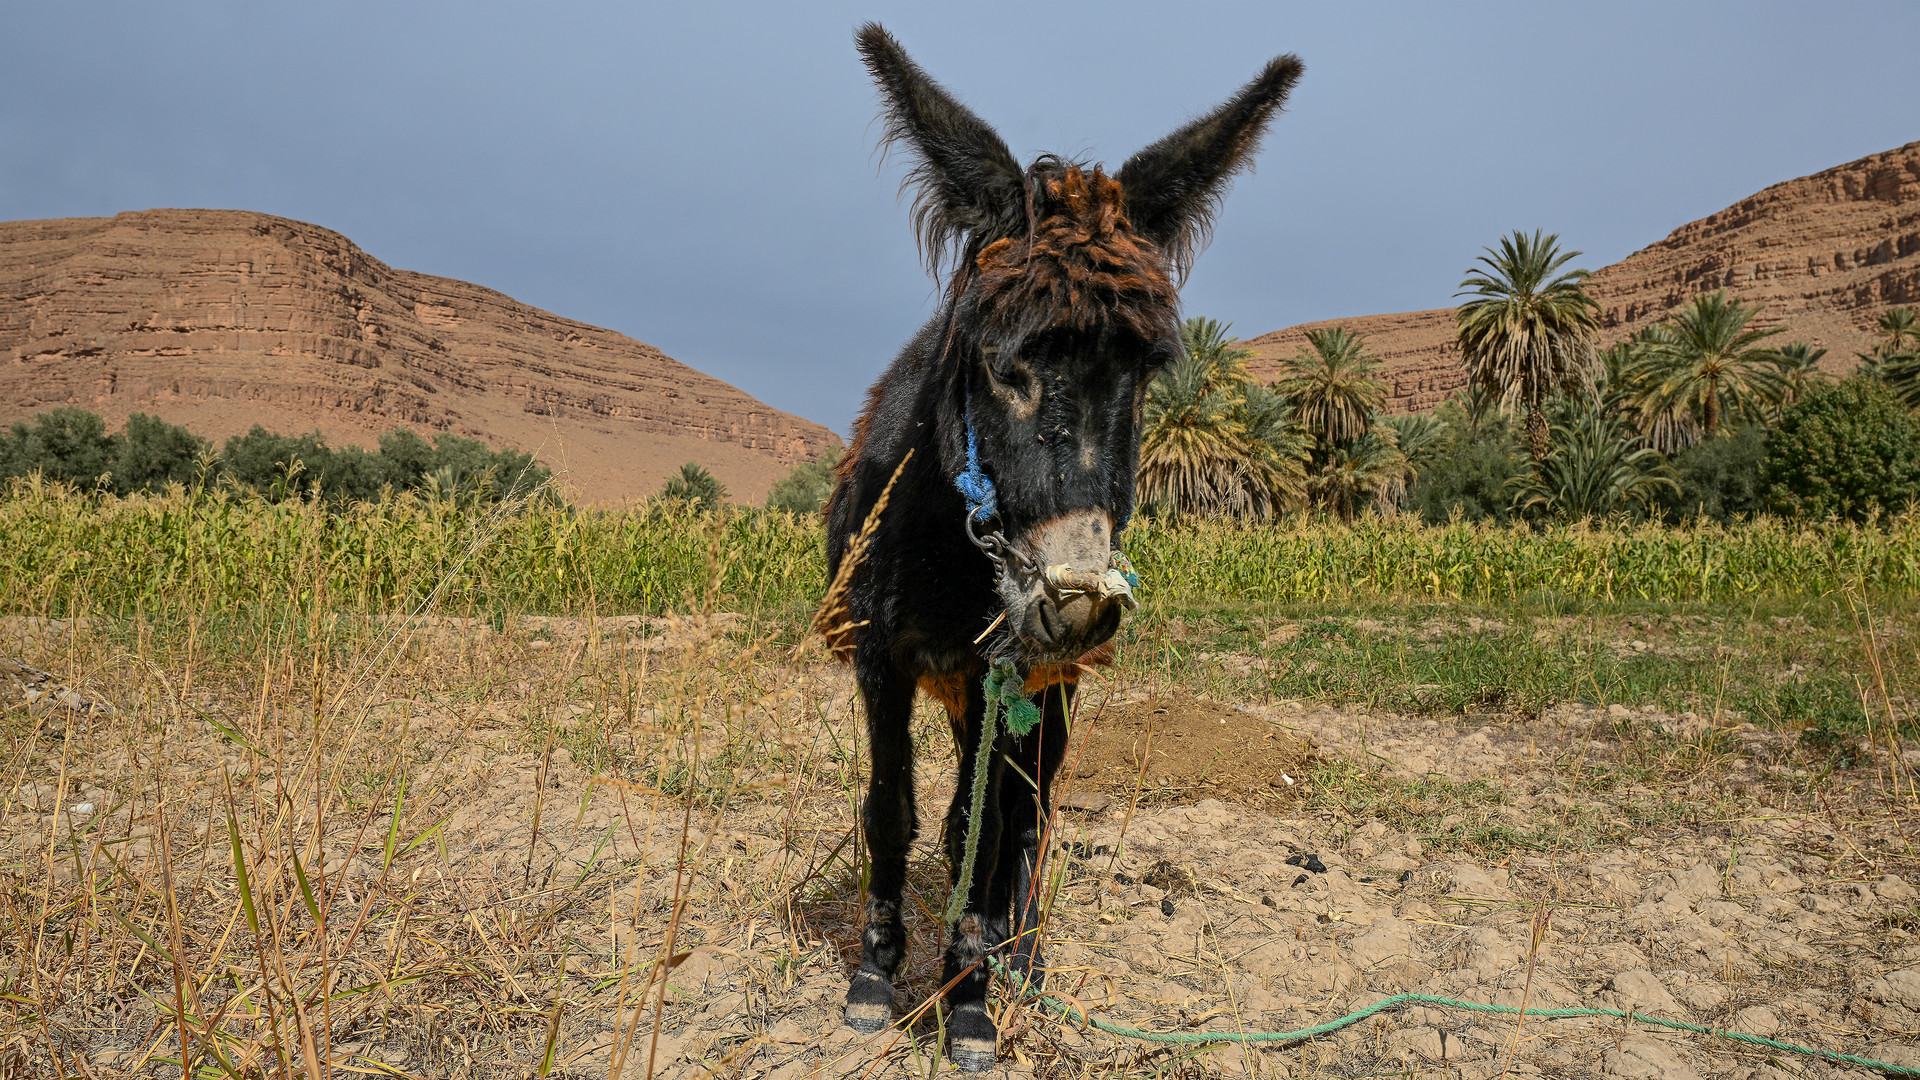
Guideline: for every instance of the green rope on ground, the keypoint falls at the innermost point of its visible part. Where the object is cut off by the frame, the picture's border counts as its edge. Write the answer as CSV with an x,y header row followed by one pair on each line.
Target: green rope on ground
x,y
1190,1037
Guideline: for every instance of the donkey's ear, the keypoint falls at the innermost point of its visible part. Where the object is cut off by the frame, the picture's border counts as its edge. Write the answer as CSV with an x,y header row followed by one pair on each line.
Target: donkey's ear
x,y
1174,187
965,182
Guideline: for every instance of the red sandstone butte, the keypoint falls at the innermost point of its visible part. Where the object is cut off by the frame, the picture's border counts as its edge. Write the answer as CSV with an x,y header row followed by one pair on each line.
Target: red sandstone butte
x,y
222,319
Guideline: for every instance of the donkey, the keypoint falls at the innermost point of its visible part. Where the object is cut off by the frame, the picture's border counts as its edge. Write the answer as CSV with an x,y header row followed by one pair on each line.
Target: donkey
x,y
1059,305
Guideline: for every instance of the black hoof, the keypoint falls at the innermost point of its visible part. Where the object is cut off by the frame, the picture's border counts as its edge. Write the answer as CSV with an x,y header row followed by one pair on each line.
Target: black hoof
x,y
972,1040
869,1003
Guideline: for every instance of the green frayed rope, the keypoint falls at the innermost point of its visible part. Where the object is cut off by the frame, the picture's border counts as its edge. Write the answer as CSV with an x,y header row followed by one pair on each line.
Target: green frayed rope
x,y
1005,690
1397,1000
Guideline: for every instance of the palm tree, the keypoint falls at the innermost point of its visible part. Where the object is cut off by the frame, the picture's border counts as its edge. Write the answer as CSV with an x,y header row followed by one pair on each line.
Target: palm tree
x,y
1370,468
1902,328
1896,361
1622,389
694,485
1705,361
1799,365
1214,442
1530,328
1423,438
1901,374
1225,357
1597,469
1279,446
1332,384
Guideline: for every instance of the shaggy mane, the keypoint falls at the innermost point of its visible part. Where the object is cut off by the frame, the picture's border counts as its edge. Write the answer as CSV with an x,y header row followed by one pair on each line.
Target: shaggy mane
x,y
1082,265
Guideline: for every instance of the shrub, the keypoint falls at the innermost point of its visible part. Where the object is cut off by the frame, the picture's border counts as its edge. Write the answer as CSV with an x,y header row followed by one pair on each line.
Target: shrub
x,y
300,466
805,488
458,467
156,453
1598,468
1473,476
696,485
68,444
1849,451
1719,478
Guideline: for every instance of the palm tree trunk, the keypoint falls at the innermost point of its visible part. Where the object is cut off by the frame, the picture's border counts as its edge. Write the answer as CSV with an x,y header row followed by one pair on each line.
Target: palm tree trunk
x,y
1539,438
1713,408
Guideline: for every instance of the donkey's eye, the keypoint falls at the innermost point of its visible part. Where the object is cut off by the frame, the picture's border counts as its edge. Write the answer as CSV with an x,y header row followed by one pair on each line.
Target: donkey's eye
x,y
1006,371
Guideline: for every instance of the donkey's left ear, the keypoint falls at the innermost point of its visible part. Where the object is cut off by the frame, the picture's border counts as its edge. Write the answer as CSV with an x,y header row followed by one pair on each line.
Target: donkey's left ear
x,y
1174,187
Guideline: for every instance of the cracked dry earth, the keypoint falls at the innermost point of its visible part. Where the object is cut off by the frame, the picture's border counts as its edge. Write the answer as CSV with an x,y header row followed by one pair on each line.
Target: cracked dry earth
x,y
1718,876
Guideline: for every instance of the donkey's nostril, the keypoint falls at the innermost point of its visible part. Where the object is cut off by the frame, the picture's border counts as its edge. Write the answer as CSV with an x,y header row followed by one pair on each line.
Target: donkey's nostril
x,y
1047,622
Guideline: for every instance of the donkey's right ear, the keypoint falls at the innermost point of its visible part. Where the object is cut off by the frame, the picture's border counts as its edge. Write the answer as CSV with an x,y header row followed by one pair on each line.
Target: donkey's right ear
x,y
966,184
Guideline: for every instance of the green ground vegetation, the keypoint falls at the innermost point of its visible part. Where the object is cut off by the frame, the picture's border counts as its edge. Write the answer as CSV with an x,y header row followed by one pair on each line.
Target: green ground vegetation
x,y
1764,620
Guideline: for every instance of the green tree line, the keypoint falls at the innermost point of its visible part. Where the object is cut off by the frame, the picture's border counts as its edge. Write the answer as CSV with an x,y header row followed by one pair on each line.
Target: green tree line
x,y
1702,416
72,445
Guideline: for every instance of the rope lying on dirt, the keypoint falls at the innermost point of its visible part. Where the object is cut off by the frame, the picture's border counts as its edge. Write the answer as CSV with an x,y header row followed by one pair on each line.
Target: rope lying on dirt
x,y
1050,1000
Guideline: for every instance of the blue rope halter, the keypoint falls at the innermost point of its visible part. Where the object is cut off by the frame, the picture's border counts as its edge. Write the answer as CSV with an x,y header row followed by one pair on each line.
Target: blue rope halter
x,y
983,502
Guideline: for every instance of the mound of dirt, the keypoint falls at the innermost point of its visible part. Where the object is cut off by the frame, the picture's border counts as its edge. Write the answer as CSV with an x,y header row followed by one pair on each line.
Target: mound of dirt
x,y
1824,254
222,319
1191,748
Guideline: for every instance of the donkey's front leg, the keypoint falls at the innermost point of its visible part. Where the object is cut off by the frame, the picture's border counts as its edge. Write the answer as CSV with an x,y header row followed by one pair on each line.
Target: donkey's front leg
x,y
971,1036
1026,813
890,826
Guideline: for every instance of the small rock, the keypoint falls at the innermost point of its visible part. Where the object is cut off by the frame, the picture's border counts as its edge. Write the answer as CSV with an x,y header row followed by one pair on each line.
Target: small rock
x,y
1470,880
1386,940
80,809
1894,888
1089,802
1166,906
1819,905
1756,1020
1639,991
1641,1056
1900,988
1309,862
1423,1044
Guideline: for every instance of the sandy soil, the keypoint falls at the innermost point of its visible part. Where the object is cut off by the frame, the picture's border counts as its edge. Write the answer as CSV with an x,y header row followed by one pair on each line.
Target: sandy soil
x,y
1587,856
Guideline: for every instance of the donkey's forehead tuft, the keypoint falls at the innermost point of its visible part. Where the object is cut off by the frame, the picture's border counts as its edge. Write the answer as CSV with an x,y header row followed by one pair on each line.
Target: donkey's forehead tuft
x,y
1082,265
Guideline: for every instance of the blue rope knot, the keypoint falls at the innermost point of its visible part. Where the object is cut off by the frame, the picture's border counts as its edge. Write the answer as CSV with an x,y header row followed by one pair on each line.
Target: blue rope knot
x,y
983,502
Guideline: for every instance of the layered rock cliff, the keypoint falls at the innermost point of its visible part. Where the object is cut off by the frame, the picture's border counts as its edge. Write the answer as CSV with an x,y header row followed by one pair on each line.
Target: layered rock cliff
x,y
220,319
1824,255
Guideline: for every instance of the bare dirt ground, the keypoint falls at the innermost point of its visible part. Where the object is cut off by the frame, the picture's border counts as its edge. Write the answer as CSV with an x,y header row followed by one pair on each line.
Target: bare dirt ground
x,y
537,904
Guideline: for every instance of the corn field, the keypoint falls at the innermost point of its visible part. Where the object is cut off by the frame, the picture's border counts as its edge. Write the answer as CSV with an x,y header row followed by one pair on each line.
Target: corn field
x,y
61,551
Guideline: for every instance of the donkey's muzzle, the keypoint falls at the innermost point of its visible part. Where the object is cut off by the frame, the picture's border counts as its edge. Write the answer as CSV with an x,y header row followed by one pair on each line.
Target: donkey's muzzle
x,y
1076,598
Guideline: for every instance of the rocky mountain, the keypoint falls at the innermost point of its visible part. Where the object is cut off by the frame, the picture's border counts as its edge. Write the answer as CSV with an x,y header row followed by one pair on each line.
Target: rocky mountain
x,y
222,319
1824,255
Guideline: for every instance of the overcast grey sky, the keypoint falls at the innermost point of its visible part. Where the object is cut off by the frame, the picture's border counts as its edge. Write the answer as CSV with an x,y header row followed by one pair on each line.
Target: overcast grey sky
x,y
701,176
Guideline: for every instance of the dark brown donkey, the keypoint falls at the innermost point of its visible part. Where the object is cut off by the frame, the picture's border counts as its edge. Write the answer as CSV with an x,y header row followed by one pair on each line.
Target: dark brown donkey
x,y
1020,405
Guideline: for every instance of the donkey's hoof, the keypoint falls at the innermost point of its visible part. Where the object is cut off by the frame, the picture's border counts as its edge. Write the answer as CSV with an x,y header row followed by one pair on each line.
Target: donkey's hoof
x,y
869,1002
972,1039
